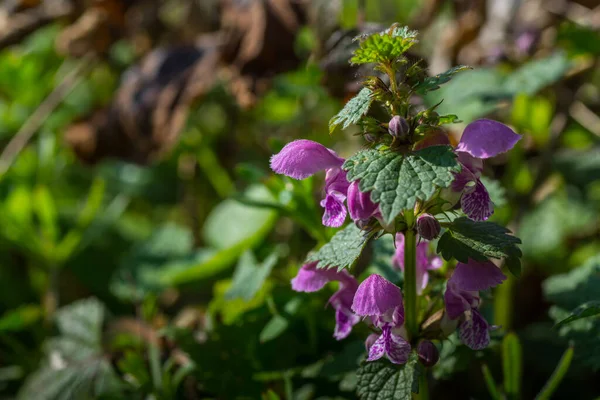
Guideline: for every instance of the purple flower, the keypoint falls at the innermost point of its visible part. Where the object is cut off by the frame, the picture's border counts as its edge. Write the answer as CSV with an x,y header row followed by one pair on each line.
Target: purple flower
x,y
360,205
341,301
388,343
376,297
303,158
474,331
312,279
462,300
481,139
485,138
475,276
424,260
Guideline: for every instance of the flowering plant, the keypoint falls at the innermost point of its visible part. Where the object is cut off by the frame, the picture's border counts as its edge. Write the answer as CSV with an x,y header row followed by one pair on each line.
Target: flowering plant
x,y
411,183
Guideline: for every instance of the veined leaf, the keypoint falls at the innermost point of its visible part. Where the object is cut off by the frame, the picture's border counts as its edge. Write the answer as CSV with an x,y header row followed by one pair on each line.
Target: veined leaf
x,y
382,380
76,367
433,82
353,111
385,46
396,181
342,250
250,275
480,241
586,310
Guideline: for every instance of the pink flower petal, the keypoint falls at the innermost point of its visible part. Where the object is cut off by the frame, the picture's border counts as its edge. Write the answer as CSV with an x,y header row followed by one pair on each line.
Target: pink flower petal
x,y
375,296
477,203
311,279
474,331
476,276
335,211
360,205
303,158
485,138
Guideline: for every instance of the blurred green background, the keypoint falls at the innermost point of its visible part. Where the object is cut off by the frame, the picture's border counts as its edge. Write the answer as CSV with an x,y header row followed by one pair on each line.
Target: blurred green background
x,y
146,249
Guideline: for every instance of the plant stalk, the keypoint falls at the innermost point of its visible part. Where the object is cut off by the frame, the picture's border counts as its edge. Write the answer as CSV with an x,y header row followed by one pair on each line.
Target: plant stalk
x,y
410,277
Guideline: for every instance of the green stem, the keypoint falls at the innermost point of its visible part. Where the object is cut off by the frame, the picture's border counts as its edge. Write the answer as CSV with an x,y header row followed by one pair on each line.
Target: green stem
x,y
410,277
423,386
503,303
557,376
490,383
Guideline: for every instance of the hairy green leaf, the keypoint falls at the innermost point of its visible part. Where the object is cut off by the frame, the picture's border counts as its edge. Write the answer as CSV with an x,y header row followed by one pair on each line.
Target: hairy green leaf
x,y
448,119
342,251
353,111
382,380
536,75
568,291
384,47
84,371
585,310
466,239
250,275
433,82
396,181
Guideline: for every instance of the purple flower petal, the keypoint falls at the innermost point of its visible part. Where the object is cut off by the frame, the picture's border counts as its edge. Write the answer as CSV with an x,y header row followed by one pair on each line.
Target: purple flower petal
x,y
360,205
458,301
335,212
375,296
303,158
310,279
345,295
336,181
397,349
485,138
475,165
465,180
371,339
475,276
398,316
398,259
377,349
477,203
474,331
344,321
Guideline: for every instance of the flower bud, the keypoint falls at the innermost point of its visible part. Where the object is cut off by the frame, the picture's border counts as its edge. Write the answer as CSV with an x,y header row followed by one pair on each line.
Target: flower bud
x,y
428,353
428,227
369,137
398,127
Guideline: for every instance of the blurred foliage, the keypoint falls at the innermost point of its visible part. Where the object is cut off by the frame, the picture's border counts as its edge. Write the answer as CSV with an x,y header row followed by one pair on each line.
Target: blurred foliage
x,y
169,279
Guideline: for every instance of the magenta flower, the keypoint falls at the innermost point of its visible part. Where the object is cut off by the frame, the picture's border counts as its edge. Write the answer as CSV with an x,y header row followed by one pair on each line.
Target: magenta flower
x,y
475,276
341,301
481,139
377,297
360,206
462,300
303,158
424,259
394,346
312,279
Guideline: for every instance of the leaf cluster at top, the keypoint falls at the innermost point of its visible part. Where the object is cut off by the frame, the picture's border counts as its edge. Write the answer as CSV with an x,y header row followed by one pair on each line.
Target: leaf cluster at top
x,y
384,47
